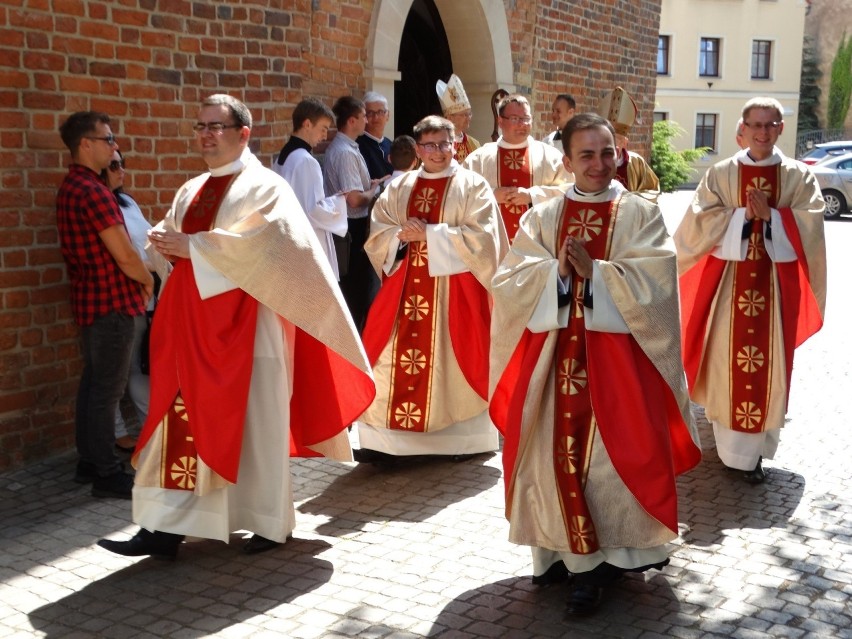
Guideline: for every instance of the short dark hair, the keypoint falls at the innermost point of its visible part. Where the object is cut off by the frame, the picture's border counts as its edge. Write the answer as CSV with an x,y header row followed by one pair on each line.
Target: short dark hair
x,y
347,106
310,109
433,124
583,122
78,125
239,111
403,152
572,104
512,98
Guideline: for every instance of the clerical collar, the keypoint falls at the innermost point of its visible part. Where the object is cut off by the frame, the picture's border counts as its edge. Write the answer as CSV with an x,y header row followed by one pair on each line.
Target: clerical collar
x,y
745,157
506,145
234,167
450,170
615,187
557,134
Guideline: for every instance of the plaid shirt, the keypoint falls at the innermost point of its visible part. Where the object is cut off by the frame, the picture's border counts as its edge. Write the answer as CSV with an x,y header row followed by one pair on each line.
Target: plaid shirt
x,y
84,208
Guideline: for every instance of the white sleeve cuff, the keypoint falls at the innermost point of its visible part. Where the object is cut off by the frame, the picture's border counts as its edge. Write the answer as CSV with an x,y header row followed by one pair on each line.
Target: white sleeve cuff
x,y
733,247
210,282
443,257
547,315
779,247
605,316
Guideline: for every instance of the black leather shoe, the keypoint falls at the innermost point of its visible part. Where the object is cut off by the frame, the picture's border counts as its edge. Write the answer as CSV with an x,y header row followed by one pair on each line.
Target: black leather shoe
x,y
119,485
556,574
756,476
369,456
256,544
584,599
161,545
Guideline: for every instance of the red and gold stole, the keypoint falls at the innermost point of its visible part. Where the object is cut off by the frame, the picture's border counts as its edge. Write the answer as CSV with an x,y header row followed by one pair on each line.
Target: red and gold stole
x,y
179,464
752,315
574,425
414,344
514,168
462,149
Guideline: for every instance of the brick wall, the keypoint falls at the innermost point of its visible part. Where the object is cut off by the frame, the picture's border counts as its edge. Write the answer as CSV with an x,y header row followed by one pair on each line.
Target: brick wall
x,y
148,63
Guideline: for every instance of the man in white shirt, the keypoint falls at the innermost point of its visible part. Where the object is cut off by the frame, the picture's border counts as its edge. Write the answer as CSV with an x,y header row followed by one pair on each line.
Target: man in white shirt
x,y
327,215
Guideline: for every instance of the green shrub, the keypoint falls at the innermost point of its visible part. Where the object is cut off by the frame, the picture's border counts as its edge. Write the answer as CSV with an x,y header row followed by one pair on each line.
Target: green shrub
x,y
673,167
840,87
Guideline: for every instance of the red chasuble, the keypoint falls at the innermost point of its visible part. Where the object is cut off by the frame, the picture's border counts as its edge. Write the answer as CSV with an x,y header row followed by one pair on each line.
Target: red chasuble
x,y
463,149
409,299
603,380
621,170
513,169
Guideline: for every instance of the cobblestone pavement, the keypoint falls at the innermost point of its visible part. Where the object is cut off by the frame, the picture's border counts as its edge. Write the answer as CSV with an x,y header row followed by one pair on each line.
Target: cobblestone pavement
x,y
421,551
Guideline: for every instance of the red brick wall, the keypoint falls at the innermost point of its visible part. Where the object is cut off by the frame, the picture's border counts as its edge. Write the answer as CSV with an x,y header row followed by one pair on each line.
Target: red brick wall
x,y
148,63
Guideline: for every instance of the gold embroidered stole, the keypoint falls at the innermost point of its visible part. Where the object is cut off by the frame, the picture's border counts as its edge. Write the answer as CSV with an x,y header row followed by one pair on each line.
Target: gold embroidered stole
x,y
463,149
574,424
514,168
752,315
179,462
414,344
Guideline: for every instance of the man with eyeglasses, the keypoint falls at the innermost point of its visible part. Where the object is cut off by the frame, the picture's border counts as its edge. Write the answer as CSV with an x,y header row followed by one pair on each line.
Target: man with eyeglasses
x,y
436,237
372,143
110,287
254,357
521,171
751,257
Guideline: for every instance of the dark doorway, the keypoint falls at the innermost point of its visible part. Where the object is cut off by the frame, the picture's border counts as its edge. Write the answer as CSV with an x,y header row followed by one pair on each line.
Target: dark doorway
x,y
424,58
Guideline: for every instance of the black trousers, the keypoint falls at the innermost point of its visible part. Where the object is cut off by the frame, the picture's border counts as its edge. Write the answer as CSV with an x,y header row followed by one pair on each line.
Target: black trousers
x,y
360,284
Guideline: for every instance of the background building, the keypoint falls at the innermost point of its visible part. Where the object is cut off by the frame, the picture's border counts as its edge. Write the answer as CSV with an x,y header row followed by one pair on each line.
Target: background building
x,y
148,64
713,55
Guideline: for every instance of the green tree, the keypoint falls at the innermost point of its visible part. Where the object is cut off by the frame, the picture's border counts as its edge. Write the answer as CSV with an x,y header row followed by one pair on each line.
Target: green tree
x,y
673,167
809,91
840,87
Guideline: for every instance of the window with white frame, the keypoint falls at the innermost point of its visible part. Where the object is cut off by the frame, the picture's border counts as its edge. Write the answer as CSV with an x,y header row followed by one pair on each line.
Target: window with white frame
x,y
663,53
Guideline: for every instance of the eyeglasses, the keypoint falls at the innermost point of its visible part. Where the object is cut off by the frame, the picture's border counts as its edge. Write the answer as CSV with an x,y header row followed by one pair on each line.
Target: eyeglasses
x,y
376,114
431,147
763,126
517,119
109,139
115,165
214,127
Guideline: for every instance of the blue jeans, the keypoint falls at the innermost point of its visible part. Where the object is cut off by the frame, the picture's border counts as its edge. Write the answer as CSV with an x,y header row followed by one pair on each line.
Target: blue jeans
x,y
107,344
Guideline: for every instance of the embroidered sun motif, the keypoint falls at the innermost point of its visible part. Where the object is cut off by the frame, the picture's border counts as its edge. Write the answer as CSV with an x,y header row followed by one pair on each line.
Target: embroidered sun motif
x,y
567,456
748,415
571,377
425,199
419,253
582,533
183,472
586,224
749,359
762,184
514,159
180,409
416,307
412,361
751,303
754,252
408,415
515,209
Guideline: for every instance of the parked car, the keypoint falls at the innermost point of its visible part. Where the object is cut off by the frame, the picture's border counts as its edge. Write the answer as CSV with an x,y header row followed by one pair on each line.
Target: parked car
x,y
834,176
825,150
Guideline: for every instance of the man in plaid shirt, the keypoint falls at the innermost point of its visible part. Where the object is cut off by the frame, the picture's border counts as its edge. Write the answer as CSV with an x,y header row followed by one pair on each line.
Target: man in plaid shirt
x,y
110,288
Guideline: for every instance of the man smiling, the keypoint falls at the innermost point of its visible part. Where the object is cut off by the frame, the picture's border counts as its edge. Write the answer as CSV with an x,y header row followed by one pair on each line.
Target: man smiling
x,y
586,378
253,354
437,237
751,254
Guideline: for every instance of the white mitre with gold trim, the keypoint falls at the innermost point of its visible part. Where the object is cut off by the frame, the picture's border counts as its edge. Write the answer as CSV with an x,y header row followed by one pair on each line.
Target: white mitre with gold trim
x,y
452,95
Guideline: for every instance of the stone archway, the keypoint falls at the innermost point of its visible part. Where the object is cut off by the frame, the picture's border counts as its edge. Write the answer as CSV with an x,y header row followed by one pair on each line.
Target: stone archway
x,y
478,35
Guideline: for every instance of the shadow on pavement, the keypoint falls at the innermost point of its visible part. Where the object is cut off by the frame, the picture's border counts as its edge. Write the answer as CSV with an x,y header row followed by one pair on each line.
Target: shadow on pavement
x,y
197,599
